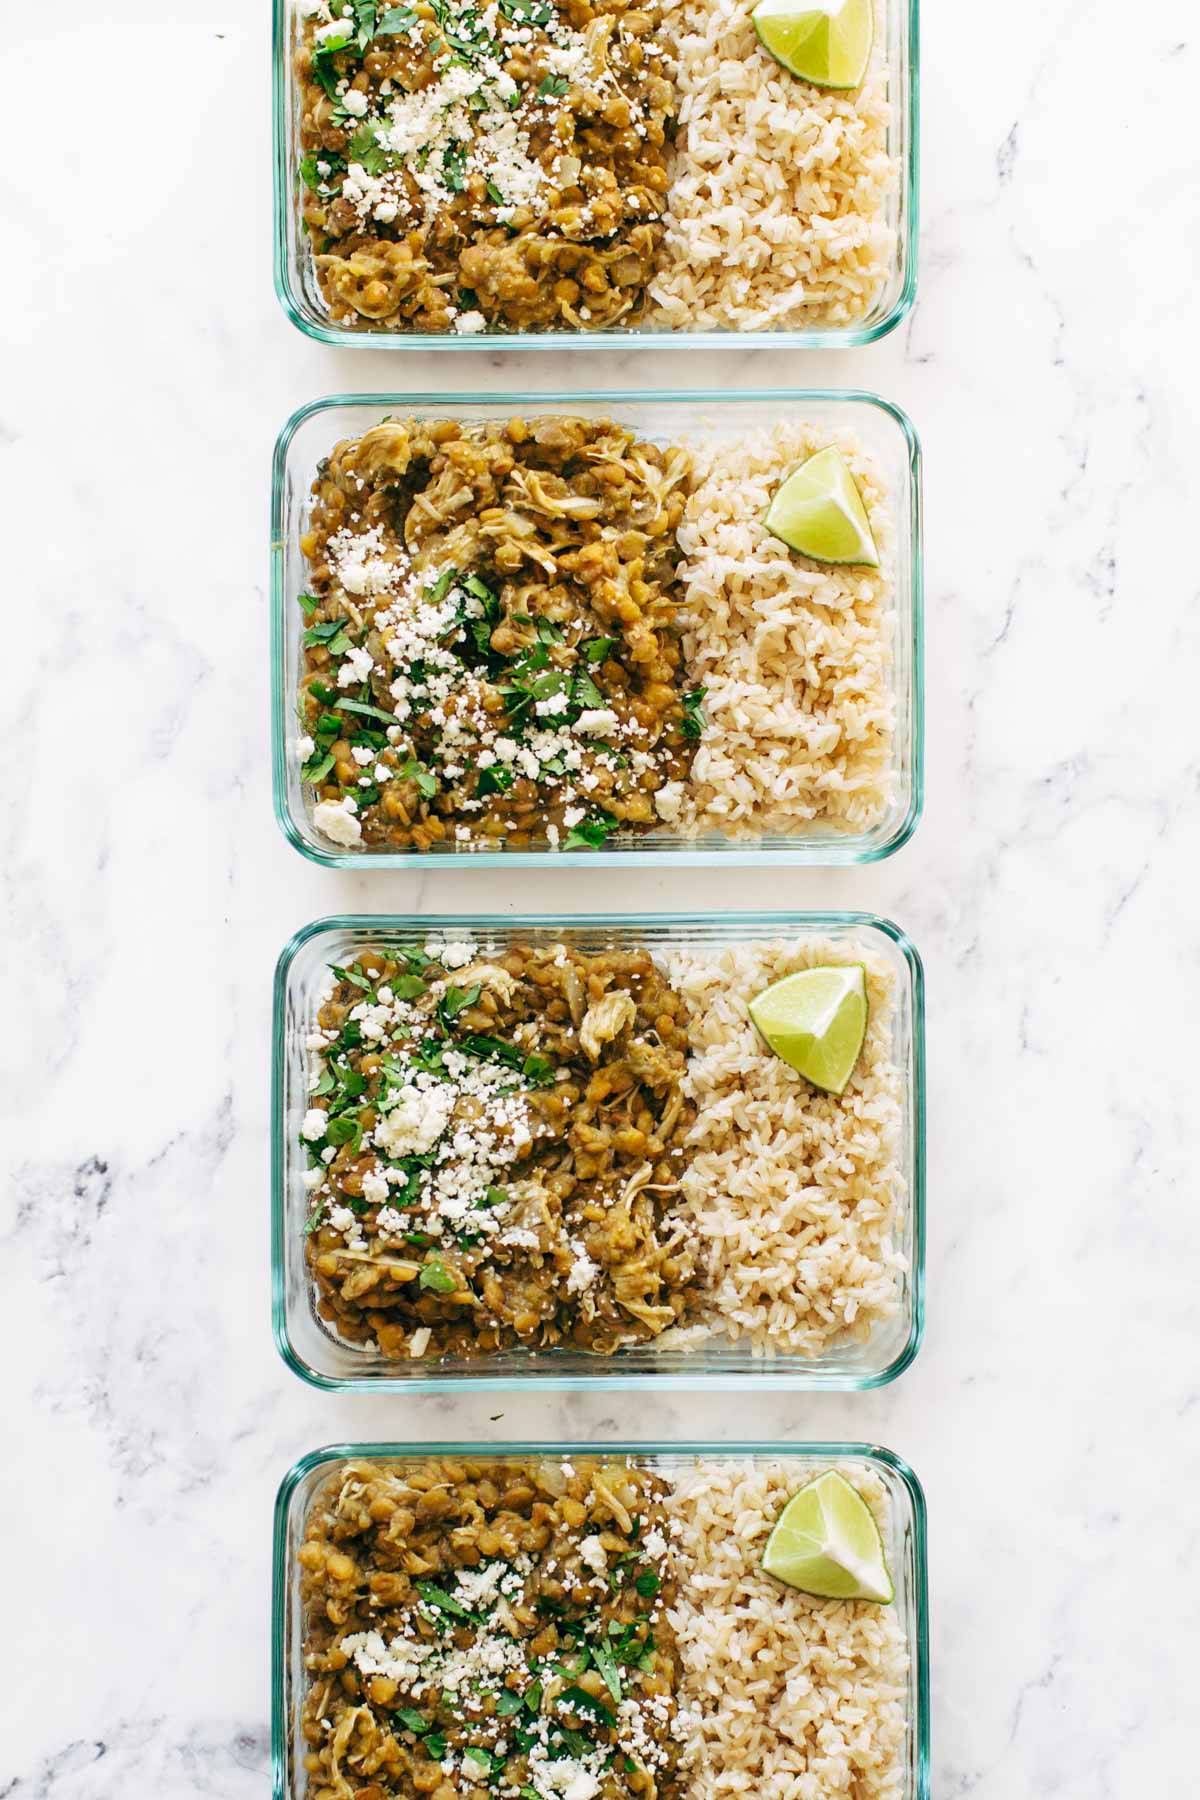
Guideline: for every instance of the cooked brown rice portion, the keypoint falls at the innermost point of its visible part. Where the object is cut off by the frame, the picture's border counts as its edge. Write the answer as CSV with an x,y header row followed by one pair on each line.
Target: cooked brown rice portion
x,y
784,1696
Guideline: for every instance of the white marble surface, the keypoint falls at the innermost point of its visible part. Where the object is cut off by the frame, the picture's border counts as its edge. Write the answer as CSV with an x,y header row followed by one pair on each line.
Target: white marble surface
x,y
1053,1414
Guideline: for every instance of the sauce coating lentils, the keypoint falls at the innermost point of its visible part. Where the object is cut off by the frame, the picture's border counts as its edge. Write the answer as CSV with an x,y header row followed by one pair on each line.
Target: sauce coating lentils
x,y
493,647
495,1150
470,165
476,1628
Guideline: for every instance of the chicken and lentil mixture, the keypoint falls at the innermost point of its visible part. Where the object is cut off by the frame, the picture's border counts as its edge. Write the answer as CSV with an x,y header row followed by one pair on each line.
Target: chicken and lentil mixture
x,y
488,1628
531,1145
492,643
469,165
592,1628
495,1149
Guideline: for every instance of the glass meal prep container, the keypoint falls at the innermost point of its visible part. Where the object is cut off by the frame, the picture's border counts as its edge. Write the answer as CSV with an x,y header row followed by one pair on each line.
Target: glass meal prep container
x,y
300,296
885,431
905,1550
311,1348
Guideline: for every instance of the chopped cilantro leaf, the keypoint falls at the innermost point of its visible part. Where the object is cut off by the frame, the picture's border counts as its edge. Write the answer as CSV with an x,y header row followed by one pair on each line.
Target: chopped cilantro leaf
x,y
437,1278
368,712
408,987
589,834
436,1599
597,648
606,1662
426,781
353,976
647,1584
396,19
553,86
317,768
693,722
413,1720
456,1000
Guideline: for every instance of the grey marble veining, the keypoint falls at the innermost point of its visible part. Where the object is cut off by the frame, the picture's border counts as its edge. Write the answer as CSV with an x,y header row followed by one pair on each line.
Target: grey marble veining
x,y
1054,1413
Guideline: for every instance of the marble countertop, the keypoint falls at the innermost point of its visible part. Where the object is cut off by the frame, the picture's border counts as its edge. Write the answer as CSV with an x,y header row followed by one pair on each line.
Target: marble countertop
x,y
1053,1413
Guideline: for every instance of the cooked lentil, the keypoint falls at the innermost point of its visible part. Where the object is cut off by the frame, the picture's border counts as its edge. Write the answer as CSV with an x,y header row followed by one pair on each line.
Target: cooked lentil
x,y
492,649
497,164
488,1627
495,1149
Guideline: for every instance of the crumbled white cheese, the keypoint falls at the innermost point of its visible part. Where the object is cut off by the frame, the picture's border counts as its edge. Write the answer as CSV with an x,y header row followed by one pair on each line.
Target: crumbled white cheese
x,y
315,1122
592,1552
374,1189
335,819
668,800
596,721
415,1119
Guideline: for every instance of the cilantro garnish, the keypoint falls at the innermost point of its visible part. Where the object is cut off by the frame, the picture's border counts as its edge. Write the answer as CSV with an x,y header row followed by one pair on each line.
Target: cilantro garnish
x,y
436,1599
456,1000
426,781
397,19
353,976
693,722
606,1662
454,168
647,1584
408,987
496,780
317,768
367,711
527,12
437,1278
597,648
553,86
591,833
324,72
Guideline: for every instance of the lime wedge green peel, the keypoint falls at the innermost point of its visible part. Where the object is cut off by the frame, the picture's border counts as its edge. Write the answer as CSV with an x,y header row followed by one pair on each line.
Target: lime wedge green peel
x,y
827,42
816,1021
819,511
826,1542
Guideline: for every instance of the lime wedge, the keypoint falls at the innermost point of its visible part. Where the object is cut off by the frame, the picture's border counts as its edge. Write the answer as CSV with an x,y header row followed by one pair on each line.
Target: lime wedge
x,y
826,1542
819,511
827,42
816,1022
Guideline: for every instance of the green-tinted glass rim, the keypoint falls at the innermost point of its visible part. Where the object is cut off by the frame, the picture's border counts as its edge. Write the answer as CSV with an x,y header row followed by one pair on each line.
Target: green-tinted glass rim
x,y
798,1375
828,337
736,853
831,1450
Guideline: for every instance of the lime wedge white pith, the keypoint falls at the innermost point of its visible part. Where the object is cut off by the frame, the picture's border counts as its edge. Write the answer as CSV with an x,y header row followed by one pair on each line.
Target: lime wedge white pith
x,y
816,1021
819,511
826,1542
827,42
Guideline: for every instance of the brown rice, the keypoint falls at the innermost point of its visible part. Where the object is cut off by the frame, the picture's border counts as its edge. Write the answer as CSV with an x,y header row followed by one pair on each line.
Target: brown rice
x,y
784,1697
796,1193
777,210
793,655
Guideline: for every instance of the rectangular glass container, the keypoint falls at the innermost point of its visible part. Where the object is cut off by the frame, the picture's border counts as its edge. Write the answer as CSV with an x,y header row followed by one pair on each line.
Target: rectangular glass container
x,y
312,1350
887,433
296,285
905,1550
